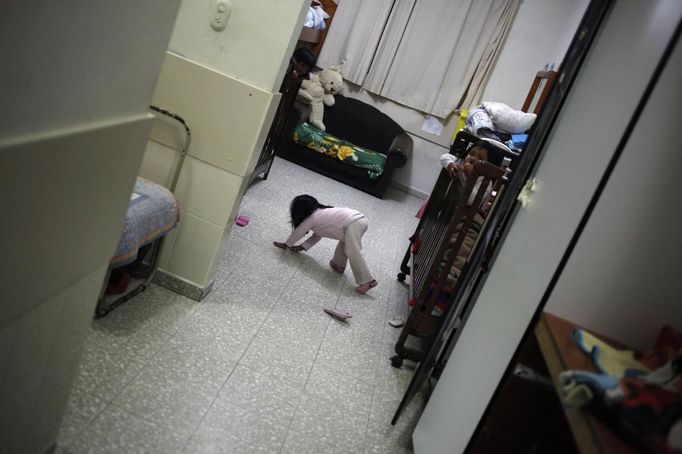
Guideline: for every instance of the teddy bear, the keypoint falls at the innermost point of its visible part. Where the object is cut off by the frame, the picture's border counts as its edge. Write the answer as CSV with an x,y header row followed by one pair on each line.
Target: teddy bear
x,y
332,82
312,92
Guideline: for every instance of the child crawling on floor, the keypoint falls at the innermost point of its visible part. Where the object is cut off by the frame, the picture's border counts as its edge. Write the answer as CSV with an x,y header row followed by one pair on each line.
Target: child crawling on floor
x,y
343,224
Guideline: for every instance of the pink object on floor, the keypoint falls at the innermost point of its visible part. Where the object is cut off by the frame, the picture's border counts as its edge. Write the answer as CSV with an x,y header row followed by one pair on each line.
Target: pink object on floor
x,y
241,221
342,314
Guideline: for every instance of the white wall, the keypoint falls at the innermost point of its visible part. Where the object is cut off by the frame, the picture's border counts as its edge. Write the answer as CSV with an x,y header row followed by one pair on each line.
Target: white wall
x,y
45,85
576,155
541,33
72,136
258,34
622,279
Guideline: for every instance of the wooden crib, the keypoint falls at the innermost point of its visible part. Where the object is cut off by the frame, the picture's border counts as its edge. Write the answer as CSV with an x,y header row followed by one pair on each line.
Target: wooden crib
x,y
446,236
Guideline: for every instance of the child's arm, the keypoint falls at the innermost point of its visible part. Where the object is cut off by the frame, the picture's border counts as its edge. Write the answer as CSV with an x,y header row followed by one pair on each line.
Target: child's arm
x,y
284,246
450,163
296,235
310,242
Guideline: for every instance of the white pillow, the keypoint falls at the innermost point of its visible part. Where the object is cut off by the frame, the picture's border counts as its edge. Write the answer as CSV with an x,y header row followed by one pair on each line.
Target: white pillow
x,y
507,119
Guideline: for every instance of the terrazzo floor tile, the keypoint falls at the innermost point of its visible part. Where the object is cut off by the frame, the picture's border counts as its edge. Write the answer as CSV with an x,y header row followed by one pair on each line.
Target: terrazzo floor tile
x,y
248,288
278,168
272,266
273,401
136,341
287,327
355,337
301,443
288,362
258,366
353,356
338,423
82,408
360,201
328,383
293,184
203,365
163,400
229,429
238,307
233,333
317,276
236,251
304,300
263,232
104,374
157,308
117,431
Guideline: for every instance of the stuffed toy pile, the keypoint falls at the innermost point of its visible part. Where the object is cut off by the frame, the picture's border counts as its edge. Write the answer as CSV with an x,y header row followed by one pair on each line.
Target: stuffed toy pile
x,y
311,92
319,91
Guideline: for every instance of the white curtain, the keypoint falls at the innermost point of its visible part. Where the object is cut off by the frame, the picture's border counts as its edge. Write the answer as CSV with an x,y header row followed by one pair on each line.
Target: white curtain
x,y
474,91
353,37
432,55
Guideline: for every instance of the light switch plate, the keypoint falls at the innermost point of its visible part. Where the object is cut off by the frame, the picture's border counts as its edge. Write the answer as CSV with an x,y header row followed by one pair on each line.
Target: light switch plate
x,y
220,15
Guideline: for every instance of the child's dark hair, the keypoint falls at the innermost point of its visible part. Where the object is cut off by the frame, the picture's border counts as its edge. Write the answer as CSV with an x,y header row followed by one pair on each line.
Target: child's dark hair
x,y
303,206
495,155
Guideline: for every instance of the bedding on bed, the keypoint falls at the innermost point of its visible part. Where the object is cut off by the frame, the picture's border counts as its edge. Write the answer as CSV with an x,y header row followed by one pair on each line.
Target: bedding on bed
x,y
152,212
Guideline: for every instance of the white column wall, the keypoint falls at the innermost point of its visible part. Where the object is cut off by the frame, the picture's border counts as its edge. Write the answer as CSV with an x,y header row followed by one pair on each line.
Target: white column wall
x,y
225,84
251,49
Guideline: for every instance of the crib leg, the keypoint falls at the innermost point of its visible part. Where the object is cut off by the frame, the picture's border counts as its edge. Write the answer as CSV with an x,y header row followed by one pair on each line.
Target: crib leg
x,y
103,309
405,265
397,361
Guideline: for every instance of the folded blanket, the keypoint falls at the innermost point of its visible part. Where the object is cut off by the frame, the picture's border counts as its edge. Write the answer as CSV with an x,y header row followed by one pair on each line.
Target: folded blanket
x,y
346,152
152,212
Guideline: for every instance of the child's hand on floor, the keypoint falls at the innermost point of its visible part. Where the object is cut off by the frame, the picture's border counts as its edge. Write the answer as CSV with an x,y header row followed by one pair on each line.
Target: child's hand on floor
x,y
280,245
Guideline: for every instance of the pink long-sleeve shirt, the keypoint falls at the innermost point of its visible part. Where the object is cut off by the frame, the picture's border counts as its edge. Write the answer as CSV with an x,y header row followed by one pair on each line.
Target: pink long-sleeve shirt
x,y
325,223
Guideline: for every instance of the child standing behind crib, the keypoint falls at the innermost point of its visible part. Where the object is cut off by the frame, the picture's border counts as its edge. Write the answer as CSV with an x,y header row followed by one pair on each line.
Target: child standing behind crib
x,y
343,224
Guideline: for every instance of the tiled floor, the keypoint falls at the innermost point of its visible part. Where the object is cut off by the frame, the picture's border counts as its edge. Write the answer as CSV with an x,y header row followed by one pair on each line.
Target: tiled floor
x,y
258,366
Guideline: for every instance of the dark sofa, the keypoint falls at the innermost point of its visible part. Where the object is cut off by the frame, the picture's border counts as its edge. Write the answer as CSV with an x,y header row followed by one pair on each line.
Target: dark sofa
x,y
359,123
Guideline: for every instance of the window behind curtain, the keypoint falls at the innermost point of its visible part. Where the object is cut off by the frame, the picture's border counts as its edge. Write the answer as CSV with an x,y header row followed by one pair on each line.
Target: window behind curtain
x,y
430,55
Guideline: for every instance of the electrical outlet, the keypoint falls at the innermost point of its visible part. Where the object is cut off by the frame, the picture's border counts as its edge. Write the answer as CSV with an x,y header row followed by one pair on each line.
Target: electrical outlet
x,y
220,15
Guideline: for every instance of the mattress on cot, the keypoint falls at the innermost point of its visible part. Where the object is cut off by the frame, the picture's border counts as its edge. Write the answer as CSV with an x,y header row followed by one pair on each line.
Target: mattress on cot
x,y
152,212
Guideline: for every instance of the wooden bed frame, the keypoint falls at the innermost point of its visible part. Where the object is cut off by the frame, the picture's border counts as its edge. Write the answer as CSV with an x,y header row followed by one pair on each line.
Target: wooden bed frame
x,y
150,256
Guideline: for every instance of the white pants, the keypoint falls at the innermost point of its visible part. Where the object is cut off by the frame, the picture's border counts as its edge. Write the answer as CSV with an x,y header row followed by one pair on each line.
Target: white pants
x,y
349,249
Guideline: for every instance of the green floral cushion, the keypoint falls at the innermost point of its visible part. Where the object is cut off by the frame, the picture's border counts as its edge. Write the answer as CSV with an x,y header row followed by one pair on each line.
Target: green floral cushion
x,y
323,142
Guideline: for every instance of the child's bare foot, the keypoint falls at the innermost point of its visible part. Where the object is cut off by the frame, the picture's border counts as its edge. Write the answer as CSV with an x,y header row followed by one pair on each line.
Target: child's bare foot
x,y
336,267
364,288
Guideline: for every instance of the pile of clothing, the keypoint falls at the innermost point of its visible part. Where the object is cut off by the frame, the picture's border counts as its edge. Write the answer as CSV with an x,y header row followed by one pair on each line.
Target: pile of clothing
x,y
637,394
498,121
316,16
